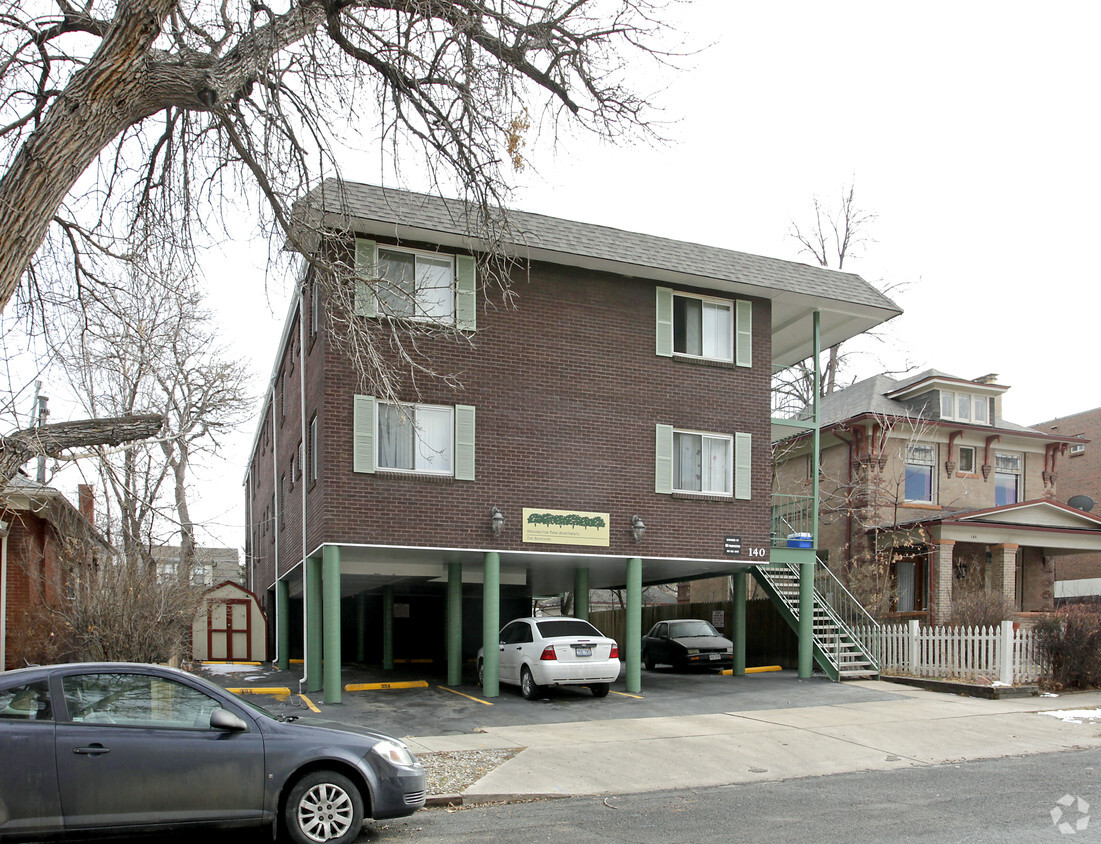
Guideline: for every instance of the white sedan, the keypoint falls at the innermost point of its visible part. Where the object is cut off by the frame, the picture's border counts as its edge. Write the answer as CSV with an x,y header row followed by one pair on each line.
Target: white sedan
x,y
552,651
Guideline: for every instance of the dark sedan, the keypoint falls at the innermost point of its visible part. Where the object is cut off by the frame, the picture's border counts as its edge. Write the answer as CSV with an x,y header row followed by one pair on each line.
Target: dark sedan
x,y
110,747
686,642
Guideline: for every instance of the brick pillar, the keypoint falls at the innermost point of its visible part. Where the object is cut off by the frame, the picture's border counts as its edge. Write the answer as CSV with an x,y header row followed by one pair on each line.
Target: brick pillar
x,y
1003,575
943,551
86,502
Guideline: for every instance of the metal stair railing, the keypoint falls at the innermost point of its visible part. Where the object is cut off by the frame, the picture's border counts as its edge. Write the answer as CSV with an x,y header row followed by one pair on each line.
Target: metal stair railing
x,y
848,611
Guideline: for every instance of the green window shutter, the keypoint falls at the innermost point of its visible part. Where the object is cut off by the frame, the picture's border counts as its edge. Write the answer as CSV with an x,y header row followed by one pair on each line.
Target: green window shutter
x,y
665,323
743,333
466,293
743,465
464,442
366,268
364,423
663,460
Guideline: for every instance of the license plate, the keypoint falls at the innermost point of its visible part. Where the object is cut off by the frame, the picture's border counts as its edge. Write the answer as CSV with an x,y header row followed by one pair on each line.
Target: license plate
x,y
583,651
712,656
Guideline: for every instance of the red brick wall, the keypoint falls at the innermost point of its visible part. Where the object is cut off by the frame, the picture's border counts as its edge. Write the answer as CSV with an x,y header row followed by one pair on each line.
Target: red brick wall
x,y
568,390
1078,474
34,572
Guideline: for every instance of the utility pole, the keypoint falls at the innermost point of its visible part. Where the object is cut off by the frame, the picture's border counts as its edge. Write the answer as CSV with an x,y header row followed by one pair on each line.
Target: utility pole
x,y
41,414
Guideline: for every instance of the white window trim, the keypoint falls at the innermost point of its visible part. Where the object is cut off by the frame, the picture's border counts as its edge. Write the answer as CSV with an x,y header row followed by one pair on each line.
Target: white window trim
x,y
378,440
729,463
731,307
974,456
976,399
379,306
931,466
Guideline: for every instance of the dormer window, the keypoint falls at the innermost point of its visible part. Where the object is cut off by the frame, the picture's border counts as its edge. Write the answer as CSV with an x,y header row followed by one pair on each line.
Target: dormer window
x,y
964,407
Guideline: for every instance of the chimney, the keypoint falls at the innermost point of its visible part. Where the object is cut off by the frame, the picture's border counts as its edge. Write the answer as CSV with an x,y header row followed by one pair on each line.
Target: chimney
x,y
86,502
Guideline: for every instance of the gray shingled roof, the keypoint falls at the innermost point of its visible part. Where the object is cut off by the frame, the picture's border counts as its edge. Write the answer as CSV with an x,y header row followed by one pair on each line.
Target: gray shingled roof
x,y
870,396
348,202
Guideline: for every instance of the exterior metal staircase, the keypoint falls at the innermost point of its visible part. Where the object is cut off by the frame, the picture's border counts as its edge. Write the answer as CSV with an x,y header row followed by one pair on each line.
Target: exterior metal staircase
x,y
837,649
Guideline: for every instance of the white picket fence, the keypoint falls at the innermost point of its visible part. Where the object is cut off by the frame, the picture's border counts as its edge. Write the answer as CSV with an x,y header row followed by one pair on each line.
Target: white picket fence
x,y
995,654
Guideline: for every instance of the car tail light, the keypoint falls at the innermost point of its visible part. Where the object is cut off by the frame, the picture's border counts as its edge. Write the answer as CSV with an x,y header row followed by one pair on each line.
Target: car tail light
x,y
548,653
615,652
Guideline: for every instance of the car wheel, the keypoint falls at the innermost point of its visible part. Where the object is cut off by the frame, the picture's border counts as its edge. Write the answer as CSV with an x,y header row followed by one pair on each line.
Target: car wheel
x,y
528,687
648,661
324,807
481,670
600,689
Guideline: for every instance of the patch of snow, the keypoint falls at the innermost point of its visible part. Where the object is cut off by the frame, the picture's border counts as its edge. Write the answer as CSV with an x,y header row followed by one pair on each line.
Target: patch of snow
x,y
1000,683
1075,716
1049,694
230,668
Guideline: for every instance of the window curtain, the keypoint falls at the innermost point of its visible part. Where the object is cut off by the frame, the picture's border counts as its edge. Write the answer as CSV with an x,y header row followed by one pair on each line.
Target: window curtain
x,y
716,331
688,455
905,574
716,464
433,439
395,437
434,293
688,324
396,289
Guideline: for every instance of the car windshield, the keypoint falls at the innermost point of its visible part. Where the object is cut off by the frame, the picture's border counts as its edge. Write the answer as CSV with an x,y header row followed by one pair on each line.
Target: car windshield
x,y
565,627
688,629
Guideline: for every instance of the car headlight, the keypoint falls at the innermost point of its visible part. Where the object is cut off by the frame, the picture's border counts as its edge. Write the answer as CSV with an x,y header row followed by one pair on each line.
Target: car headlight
x,y
395,752
693,651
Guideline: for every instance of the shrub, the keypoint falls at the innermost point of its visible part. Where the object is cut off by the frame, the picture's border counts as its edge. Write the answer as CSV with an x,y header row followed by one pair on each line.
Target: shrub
x,y
973,605
1069,644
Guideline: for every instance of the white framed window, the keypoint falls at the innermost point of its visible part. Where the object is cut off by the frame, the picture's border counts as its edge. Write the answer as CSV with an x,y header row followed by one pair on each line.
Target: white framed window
x,y
704,327
967,459
1077,448
921,475
1008,468
414,438
311,450
964,407
703,463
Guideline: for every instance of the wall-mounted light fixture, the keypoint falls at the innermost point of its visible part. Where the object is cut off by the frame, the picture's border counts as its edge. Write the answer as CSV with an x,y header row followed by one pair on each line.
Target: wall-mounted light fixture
x,y
637,528
496,521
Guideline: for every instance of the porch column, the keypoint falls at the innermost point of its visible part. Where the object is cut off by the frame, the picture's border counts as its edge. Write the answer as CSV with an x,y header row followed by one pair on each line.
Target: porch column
x,y
312,575
282,625
361,627
454,624
491,624
806,620
737,623
388,628
581,592
633,634
330,578
942,561
1003,558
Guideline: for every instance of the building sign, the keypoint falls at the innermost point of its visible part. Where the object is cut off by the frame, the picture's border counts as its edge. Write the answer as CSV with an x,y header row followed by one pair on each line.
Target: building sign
x,y
565,527
732,546
718,619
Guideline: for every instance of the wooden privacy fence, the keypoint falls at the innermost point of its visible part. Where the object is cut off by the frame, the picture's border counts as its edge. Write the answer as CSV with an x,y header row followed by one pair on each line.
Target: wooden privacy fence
x,y
1005,654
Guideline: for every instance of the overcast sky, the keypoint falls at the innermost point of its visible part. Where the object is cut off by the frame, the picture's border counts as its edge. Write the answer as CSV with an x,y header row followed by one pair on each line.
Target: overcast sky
x,y
969,129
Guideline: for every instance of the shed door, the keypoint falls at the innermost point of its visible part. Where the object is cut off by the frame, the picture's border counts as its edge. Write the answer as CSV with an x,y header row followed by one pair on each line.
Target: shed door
x,y
229,630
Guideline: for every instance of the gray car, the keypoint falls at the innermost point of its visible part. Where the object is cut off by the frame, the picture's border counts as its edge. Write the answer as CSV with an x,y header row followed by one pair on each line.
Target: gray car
x,y
108,747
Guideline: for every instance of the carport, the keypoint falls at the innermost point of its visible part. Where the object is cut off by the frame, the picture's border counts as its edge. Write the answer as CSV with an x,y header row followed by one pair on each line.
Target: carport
x,y
341,571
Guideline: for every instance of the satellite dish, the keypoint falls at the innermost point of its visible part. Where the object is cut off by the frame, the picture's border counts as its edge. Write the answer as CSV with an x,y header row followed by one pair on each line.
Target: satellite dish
x,y
1081,502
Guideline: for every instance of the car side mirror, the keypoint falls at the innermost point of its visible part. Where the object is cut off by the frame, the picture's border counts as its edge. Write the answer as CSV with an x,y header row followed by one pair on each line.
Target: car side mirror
x,y
223,719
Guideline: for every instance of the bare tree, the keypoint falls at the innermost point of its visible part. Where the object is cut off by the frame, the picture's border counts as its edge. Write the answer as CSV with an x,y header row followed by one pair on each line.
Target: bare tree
x,y
146,344
191,108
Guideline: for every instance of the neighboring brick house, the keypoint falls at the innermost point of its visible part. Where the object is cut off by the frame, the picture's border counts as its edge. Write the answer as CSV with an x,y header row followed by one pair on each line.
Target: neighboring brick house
x,y
36,524
612,430
924,474
1078,576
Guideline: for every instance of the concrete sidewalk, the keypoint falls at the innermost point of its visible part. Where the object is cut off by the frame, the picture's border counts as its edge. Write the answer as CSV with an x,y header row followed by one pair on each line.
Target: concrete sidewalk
x,y
629,755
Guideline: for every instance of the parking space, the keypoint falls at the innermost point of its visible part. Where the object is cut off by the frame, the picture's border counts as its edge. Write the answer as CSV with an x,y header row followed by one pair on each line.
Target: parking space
x,y
418,703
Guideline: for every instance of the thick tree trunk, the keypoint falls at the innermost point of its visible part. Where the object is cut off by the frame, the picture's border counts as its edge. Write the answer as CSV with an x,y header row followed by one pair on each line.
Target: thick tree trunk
x,y
16,449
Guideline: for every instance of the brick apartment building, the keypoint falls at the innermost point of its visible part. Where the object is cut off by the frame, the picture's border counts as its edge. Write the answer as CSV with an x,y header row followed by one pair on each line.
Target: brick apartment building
x,y
924,473
1078,576
611,430
36,520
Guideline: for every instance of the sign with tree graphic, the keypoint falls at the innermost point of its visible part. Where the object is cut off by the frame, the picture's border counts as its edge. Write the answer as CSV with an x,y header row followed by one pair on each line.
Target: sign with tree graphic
x,y
565,527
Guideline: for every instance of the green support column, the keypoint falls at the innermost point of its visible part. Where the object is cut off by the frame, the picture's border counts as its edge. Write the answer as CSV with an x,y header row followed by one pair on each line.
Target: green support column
x,y
361,627
491,624
737,623
454,624
633,635
282,625
581,592
806,620
330,582
313,624
388,628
